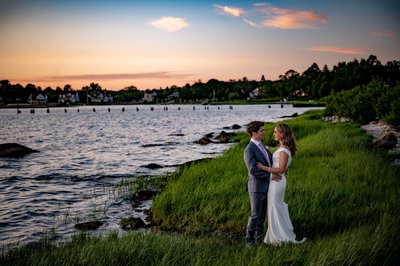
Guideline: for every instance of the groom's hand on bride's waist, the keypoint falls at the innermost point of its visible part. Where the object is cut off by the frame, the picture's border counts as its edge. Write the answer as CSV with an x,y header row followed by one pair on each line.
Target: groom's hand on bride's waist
x,y
276,177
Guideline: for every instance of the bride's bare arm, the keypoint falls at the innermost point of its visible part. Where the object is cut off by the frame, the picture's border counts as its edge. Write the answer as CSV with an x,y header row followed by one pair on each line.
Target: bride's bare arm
x,y
275,177
262,167
283,159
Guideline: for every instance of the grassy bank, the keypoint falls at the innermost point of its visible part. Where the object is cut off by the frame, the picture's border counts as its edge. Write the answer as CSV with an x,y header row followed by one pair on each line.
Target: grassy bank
x,y
342,195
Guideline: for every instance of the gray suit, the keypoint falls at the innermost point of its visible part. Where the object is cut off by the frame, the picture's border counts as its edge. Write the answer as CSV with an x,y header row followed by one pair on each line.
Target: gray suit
x,y
257,186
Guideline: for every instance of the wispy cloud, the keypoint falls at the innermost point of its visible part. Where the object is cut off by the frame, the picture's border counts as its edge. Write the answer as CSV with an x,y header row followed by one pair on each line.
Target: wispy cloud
x,y
275,17
385,34
230,10
170,23
116,76
283,18
252,23
338,50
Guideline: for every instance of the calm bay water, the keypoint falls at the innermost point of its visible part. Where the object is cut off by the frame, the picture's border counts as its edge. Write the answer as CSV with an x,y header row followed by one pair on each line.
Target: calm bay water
x,y
84,154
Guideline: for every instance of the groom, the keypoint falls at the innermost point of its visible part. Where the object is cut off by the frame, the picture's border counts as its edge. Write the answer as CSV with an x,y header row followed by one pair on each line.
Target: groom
x,y
258,181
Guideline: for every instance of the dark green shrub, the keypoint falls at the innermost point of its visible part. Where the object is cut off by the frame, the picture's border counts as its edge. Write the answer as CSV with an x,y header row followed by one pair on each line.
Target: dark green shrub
x,y
388,106
364,104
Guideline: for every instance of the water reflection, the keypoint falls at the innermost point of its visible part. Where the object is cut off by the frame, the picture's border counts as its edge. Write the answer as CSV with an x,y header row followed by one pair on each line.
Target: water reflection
x,y
84,154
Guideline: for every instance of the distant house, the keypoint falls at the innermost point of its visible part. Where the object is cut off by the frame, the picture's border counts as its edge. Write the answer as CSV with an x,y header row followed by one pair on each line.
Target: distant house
x,y
77,99
98,98
101,98
174,96
41,99
147,98
67,99
150,97
299,93
38,99
254,94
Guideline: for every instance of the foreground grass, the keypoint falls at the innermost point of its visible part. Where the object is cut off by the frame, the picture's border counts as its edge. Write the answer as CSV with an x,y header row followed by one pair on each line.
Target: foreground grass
x,y
342,195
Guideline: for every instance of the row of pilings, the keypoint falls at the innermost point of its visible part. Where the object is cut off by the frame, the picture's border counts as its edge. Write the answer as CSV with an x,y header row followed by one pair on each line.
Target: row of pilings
x,y
166,108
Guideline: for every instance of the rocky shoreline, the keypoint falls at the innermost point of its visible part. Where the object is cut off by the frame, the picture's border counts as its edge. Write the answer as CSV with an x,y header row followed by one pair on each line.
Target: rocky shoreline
x,y
142,198
384,136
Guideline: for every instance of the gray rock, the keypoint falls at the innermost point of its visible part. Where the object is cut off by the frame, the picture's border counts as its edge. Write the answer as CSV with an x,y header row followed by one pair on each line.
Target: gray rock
x,y
203,141
387,141
209,135
290,116
14,150
91,225
224,137
152,166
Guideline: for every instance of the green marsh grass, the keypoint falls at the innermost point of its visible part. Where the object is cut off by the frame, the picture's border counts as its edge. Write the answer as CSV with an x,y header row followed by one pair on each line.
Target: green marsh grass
x,y
342,195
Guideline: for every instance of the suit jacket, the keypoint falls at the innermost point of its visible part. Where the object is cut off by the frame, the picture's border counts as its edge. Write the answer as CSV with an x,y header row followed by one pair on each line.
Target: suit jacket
x,y
258,180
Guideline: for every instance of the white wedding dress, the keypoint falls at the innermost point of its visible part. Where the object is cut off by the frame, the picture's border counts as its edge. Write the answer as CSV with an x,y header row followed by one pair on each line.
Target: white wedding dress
x,y
280,228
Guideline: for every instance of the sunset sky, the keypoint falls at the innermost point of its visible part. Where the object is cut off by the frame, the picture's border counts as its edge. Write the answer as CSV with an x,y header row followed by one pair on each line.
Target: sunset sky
x,y
153,44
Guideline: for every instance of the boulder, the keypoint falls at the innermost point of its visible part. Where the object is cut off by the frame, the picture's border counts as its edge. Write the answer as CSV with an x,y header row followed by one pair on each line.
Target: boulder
x,y
234,126
131,223
91,225
152,166
387,141
177,134
203,141
209,135
224,137
14,150
144,195
335,119
149,218
290,116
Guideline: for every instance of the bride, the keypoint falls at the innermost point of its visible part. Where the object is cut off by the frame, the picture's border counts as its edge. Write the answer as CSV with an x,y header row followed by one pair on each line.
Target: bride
x,y
280,228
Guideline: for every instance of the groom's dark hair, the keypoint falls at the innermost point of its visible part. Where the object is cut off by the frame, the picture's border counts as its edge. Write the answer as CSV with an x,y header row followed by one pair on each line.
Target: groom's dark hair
x,y
254,126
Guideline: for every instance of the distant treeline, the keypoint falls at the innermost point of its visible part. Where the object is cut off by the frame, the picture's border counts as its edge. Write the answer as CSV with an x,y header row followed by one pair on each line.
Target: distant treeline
x,y
313,84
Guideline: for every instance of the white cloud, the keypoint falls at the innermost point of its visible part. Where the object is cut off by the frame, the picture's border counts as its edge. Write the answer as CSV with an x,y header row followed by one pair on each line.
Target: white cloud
x,y
170,23
275,17
282,18
229,10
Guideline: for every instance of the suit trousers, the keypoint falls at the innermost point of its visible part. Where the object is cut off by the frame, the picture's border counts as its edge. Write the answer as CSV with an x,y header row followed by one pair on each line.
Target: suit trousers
x,y
255,225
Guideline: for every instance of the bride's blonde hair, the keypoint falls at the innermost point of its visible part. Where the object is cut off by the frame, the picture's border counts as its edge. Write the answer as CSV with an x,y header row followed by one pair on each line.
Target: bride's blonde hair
x,y
288,137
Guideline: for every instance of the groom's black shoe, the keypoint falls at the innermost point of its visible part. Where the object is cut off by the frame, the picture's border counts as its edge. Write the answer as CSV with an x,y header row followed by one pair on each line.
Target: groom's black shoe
x,y
250,244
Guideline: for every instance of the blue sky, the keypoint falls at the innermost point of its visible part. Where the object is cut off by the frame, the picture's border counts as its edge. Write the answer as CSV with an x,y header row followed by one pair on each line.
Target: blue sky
x,y
153,44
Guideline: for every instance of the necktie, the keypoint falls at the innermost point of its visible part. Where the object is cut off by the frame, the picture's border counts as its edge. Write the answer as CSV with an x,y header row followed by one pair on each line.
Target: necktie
x,y
264,151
